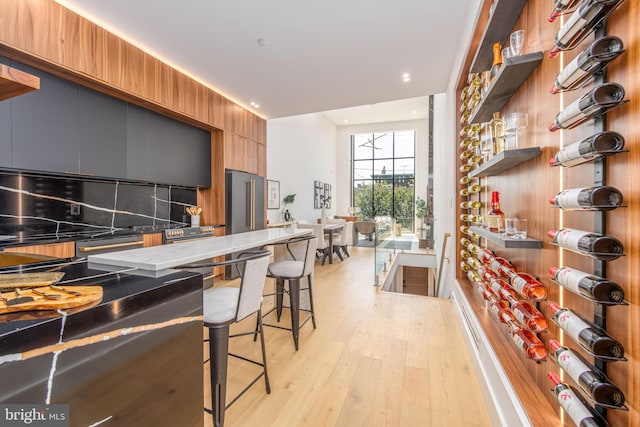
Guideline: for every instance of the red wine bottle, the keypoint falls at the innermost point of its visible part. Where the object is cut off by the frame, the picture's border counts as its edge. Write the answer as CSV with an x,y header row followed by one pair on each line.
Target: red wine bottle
x,y
528,286
526,313
591,381
598,246
527,342
589,62
580,412
602,198
560,6
582,22
590,148
599,343
599,100
593,287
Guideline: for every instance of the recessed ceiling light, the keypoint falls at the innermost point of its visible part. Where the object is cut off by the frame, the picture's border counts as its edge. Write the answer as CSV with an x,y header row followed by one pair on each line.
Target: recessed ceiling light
x,y
346,121
415,112
406,77
262,42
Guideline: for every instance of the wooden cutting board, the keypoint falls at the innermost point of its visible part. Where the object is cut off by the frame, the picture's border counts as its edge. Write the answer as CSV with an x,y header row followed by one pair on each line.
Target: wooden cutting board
x,y
88,295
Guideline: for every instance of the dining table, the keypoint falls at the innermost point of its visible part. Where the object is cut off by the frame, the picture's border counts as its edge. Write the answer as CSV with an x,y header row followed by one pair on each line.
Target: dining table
x,y
329,231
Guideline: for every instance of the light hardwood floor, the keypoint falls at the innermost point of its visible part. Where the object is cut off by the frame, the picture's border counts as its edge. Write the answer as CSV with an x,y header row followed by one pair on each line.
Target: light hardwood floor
x,y
376,359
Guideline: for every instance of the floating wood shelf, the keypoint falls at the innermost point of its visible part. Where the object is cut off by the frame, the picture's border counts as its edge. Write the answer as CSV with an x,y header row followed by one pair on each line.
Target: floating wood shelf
x,y
513,72
15,82
501,21
507,242
505,161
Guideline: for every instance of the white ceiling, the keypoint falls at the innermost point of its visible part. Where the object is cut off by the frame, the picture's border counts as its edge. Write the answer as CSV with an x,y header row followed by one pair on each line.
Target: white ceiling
x,y
317,55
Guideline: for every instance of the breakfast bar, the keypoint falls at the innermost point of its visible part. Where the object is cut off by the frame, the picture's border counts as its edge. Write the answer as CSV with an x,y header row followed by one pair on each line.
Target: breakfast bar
x,y
164,257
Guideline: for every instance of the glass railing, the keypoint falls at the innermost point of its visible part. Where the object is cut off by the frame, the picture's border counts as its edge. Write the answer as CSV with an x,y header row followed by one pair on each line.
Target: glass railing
x,y
391,238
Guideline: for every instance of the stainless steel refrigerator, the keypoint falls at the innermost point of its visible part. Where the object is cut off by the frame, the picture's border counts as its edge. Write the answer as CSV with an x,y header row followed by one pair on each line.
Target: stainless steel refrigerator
x,y
244,205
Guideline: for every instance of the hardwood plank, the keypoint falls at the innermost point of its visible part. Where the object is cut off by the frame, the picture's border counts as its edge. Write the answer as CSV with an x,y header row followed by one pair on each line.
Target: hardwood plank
x,y
377,358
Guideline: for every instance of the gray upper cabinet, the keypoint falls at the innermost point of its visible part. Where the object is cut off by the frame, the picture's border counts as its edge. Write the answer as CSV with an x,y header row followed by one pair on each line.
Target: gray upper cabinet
x,y
44,126
67,128
102,134
164,150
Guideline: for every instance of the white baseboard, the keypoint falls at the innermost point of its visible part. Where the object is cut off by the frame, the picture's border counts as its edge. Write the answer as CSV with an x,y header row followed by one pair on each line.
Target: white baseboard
x,y
502,402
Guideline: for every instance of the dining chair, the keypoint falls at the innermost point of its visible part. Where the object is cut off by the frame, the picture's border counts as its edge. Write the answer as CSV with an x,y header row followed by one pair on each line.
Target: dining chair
x,y
223,306
294,259
345,239
323,243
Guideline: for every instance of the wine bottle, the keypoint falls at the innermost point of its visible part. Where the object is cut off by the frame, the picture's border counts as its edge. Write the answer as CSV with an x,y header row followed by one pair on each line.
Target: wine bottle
x,y
502,267
464,130
473,130
490,296
528,286
470,205
527,342
589,62
464,266
589,148
501,287
486,273
497,127
473,101
474,81
599,100
593,382
466,154
466,167
601,198
464,117
598,246
472,248
580,412
502,313
560,6
485,256
598,343
589,285
495,217
525,312
467,179
473,276
476,159
581,23
473,263
497,61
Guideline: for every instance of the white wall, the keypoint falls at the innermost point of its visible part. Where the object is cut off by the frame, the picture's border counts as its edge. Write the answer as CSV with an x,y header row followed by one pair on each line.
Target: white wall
x,y
300,150
344,153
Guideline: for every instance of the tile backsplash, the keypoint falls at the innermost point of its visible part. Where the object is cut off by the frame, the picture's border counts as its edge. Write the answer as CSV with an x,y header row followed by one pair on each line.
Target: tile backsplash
x,y
36,206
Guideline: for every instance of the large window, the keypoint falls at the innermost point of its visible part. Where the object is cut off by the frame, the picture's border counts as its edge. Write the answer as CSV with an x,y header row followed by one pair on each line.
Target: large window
x,y
383,175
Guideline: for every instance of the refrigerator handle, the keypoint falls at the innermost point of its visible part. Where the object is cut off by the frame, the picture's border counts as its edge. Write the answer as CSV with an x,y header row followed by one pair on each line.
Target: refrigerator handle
x,y
251,204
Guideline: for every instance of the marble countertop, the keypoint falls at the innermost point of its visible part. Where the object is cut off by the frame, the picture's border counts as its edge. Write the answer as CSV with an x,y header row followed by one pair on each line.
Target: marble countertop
x,y
163,257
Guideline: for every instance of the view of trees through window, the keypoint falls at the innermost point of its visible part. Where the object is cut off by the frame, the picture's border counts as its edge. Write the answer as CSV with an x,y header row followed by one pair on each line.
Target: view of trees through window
x,y
383,175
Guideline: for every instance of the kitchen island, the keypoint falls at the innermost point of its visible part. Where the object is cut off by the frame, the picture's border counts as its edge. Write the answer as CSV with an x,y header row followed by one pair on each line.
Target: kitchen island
x,y
113,361
135,358
158,258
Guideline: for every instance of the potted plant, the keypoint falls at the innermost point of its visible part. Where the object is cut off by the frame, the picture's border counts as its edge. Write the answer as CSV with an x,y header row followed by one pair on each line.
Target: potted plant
x,y
289,199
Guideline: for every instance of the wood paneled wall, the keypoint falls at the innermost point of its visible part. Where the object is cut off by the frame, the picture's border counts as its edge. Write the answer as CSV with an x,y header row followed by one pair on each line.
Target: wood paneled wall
x,y
45,35
525,189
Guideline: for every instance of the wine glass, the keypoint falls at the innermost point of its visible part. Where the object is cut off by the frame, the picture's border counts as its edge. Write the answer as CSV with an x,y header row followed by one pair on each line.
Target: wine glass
x,y
516,41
